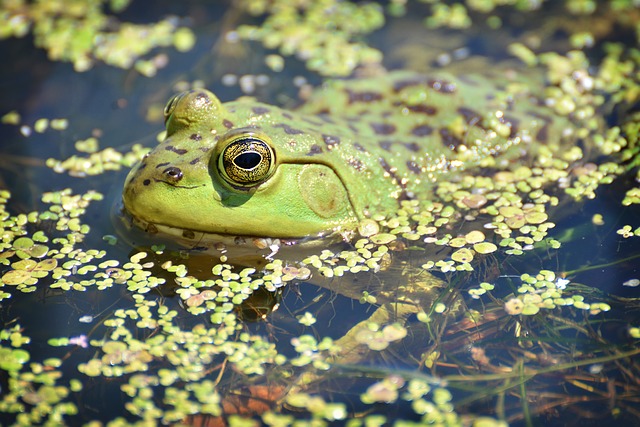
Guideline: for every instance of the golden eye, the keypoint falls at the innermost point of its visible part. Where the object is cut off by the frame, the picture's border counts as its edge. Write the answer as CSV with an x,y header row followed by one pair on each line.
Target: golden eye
x,y
246,160
171,105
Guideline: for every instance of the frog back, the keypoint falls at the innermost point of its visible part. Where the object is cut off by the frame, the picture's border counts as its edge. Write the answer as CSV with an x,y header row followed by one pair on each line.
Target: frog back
x,y
412,130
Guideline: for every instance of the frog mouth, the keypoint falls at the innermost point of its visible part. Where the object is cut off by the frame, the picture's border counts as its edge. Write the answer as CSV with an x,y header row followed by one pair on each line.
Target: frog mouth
x,y
136,230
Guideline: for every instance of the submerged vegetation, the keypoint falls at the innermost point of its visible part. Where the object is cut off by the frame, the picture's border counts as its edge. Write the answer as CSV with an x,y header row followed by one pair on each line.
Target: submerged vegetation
x,y
447,333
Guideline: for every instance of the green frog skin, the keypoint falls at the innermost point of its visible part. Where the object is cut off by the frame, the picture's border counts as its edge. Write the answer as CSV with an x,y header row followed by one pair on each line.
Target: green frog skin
x,y
355,148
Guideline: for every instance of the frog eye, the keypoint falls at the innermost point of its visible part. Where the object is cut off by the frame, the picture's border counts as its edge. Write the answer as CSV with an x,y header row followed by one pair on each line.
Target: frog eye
x,y
171,105
246,160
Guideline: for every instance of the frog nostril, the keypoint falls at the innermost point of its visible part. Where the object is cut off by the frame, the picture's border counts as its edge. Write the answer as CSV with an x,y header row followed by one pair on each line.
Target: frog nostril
x,y
173,173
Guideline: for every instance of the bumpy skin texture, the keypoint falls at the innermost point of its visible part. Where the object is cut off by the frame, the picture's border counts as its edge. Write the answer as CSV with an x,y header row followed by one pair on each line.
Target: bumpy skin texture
x,y
356,148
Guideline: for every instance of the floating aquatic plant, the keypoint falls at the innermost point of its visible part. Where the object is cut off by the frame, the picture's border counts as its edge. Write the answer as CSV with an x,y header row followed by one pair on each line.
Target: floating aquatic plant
x,y
177,358
82,33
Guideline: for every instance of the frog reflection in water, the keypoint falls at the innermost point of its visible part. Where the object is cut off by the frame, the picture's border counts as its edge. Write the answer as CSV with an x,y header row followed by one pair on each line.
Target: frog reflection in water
x,y
355,149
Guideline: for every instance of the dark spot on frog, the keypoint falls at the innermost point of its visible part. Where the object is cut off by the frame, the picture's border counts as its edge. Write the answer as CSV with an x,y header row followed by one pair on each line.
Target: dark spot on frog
x,y
179,151
260,110
413,146
543,133
359,147
385,145
414,167
151,229
450,140
146,182
422,130
195,137
287,116
470,116
354,128
366,96
383,128
330,140
428,110
401,84
315,149
356,164
387,168
203,97
513,124
227,123
194,161
442,86
288,129
188,234
161,165
392,173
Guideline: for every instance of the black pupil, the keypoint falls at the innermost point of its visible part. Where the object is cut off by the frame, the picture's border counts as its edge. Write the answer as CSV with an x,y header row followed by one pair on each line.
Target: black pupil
x,y
248,160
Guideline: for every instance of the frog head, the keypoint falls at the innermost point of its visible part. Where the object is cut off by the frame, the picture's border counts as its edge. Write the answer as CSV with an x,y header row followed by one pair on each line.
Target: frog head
x,y
236,169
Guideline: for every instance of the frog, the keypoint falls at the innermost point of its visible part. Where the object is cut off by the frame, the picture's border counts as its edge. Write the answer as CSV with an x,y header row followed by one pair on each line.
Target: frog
x,y
356,148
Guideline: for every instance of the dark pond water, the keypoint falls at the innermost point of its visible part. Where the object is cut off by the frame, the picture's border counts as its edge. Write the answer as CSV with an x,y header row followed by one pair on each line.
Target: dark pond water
x,y
559,367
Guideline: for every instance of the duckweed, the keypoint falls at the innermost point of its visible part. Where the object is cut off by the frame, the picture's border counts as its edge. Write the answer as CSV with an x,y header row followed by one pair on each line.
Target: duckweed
x,y
301,29
83,34
98,162
541,291
160,358
628,231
